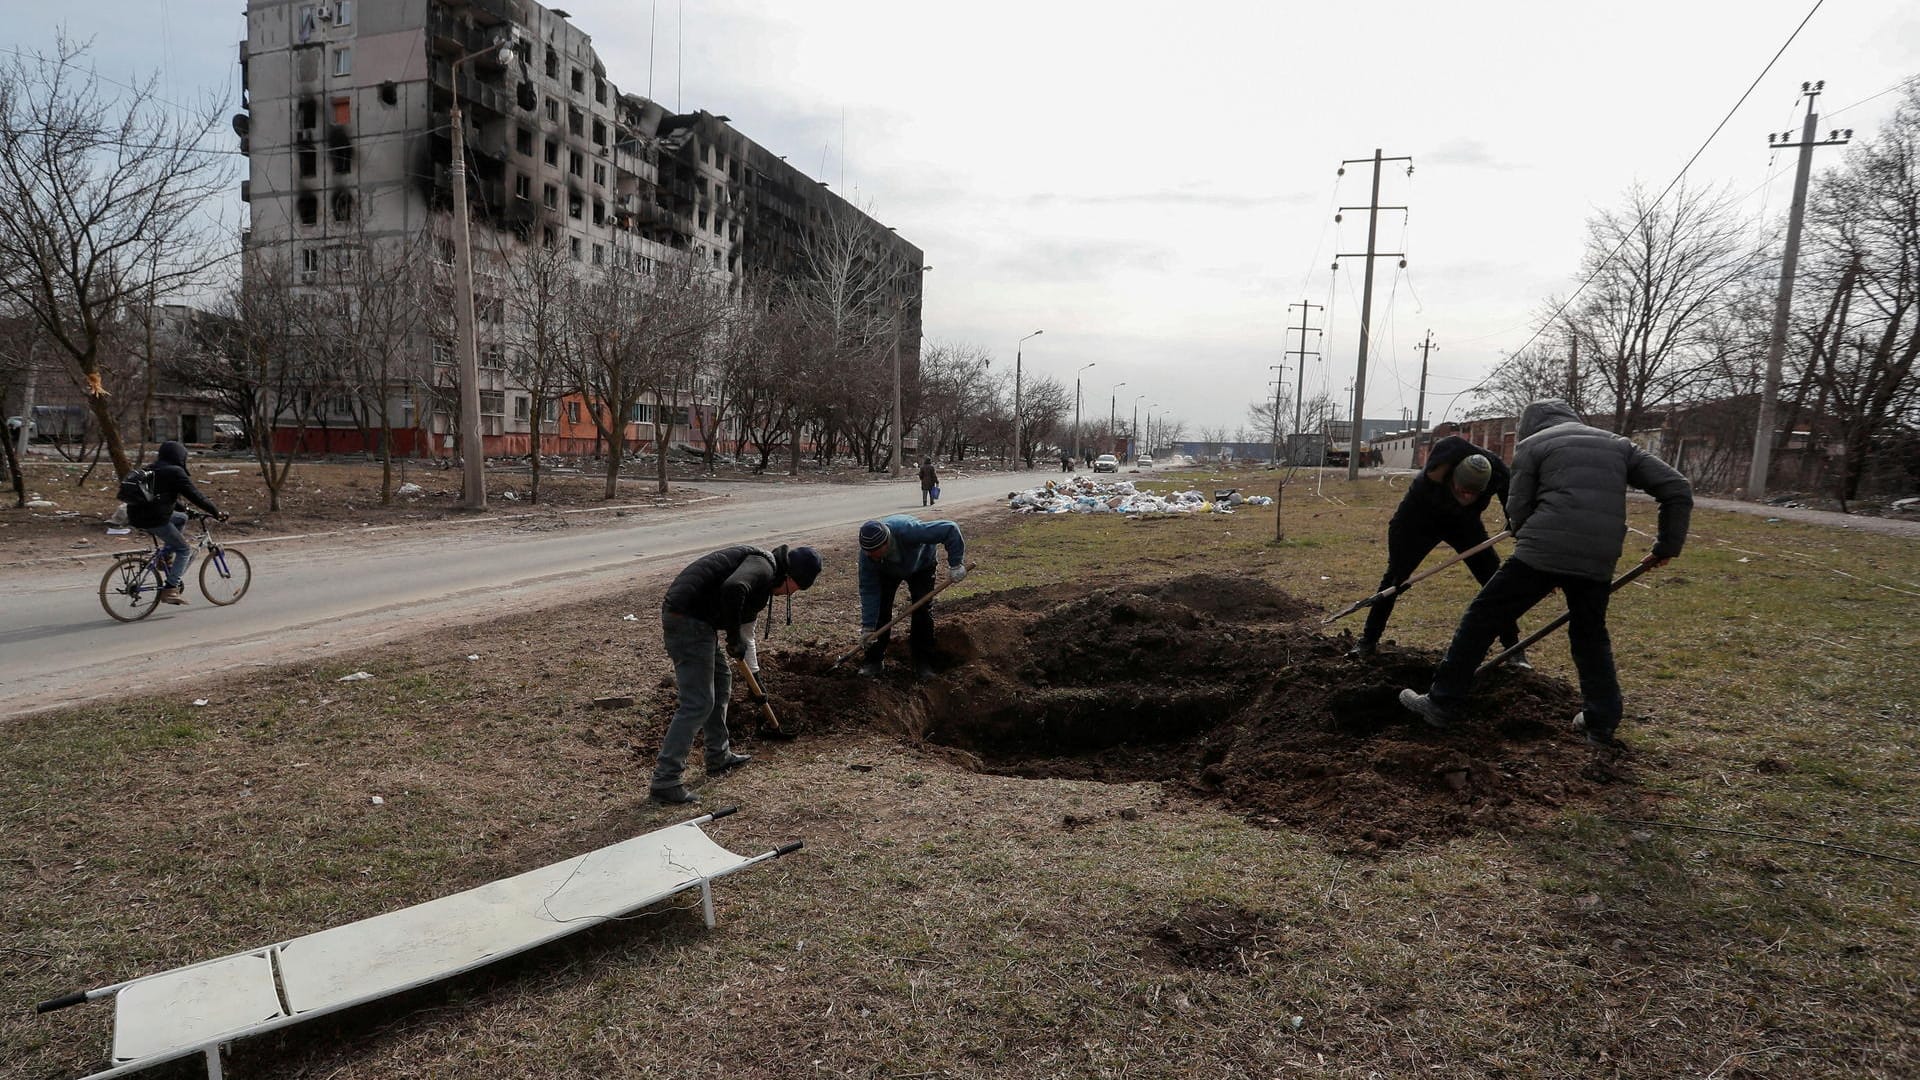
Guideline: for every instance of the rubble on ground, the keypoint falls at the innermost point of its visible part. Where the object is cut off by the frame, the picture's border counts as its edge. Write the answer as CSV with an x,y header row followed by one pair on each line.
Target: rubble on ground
x,y
1086,495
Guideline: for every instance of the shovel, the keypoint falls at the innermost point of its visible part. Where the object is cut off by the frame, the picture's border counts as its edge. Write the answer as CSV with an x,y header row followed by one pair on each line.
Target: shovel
x,y
1620,582
769,723
1410,582
870,638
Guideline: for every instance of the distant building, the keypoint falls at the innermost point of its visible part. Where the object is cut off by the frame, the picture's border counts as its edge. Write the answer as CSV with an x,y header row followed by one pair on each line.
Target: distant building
x,y
347,137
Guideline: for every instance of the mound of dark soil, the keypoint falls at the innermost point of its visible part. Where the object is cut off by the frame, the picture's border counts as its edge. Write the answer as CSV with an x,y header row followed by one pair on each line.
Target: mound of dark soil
x,y
1222,688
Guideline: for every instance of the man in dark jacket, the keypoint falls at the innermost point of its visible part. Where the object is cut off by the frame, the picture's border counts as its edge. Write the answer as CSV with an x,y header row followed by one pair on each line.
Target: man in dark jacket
x,y
896,549
719,593
1444,503
1567,508
162,519
929,479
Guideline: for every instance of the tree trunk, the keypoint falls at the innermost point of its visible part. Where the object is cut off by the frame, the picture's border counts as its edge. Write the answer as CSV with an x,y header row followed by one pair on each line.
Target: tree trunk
x,y
533,447
663,438
13,468
109,429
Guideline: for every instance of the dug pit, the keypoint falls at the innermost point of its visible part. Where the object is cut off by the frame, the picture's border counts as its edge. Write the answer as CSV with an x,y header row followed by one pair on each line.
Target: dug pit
x,y
1225,689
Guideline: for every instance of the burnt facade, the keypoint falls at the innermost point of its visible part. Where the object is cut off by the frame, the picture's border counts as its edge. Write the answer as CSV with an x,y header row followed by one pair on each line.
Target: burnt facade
x,y
348,136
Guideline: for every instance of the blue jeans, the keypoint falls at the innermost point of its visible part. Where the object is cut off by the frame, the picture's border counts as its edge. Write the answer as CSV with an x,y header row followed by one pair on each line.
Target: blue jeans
x,y
702,675
174,543
1514,589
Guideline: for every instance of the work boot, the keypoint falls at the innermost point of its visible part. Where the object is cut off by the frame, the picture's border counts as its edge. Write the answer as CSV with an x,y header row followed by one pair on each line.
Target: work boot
x,y
1362,648
1595,735
922,670
677,795
727,764
170,594
1518,661
1422,706
871,669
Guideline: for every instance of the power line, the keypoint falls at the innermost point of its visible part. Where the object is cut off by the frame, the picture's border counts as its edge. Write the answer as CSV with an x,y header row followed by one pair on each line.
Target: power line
x,y
1628,234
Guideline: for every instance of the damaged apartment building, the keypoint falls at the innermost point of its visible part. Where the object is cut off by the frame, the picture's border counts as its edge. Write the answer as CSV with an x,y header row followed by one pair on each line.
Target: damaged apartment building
x,y
348,140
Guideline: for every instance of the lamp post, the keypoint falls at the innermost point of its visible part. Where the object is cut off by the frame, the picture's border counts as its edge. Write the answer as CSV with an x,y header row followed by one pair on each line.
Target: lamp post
x,y
1150,442
1113,410
1076,411
1133,433
898,314
472,450
1020,449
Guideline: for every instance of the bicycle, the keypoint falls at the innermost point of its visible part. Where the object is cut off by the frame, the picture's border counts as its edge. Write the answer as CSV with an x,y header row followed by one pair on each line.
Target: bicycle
x,y
130,589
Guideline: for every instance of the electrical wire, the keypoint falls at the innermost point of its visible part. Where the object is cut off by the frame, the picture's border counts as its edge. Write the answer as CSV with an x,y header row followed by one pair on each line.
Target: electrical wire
x,y
1664,192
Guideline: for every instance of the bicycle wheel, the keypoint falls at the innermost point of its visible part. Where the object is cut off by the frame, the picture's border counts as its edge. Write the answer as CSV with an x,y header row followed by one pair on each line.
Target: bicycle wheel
x,y
130,589
224,576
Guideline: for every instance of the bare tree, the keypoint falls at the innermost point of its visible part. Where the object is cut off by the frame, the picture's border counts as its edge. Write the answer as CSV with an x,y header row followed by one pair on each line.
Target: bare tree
x,y
100,199
251,352
1864,237
1659,274
544,300
1044,404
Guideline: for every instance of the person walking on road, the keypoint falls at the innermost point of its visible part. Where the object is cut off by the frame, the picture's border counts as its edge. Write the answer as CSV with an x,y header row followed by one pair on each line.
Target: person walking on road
x,y
1567,508
162,518
1443,504
896,549
928,481
718,593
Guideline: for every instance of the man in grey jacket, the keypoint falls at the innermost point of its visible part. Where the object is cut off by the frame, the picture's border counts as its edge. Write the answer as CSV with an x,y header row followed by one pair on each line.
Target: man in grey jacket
x,y
1567,507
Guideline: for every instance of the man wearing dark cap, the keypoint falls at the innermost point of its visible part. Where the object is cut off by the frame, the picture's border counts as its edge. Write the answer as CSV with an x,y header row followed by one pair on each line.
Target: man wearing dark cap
x,y
719,593
1568,513
900,548
1443,503
171,483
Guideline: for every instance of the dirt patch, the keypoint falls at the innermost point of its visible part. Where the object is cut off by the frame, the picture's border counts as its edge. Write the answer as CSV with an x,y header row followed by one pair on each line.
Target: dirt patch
x,y
1216,937
1226,689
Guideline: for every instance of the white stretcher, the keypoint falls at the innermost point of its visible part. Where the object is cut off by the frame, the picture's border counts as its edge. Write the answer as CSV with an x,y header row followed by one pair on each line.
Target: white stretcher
x,y
201,1008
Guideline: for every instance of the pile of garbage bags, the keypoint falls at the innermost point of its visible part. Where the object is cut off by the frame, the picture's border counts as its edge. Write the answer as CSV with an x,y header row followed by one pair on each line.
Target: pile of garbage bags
x,y
1086,495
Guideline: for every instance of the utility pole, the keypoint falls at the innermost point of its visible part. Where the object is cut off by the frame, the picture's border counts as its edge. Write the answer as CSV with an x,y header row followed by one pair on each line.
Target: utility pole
x,y
1279,384
1420,409
1373,209
473,455
1573,366
1300,380
1783,299
1019,444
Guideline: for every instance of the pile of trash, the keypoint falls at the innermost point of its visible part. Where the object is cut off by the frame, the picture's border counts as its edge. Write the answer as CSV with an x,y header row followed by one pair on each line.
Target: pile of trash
x,y
1086,495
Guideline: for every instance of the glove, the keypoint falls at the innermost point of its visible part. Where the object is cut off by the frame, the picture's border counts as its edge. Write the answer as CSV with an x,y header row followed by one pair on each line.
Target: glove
x,y
222,516
736,645
957,574
752,656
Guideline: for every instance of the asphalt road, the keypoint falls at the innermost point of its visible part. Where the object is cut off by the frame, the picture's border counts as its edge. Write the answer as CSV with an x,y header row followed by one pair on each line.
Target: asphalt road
x,y
57,647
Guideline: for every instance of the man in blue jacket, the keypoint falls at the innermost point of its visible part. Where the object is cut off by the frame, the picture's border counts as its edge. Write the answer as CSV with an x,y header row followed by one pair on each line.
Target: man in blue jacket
x,y
896,549
1568,511
718,593
1443,504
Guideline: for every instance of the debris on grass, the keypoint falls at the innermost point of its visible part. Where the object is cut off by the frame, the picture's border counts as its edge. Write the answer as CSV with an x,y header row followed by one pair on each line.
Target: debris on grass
x,y
355,677
1085,495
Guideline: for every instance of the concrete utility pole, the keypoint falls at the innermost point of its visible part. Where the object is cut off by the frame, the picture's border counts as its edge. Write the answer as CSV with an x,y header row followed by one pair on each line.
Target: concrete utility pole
x,y
473,455
1133,432
1573,367
1113,413
1300,380
1373,209
1420,409
1279,384
1076,411
1783,298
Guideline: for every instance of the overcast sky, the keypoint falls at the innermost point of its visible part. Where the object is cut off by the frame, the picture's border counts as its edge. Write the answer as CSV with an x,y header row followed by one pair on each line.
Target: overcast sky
x,y
1153,184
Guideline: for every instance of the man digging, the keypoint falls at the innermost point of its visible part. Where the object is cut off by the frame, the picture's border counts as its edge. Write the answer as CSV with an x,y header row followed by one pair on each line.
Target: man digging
x,y
896,549
1567,509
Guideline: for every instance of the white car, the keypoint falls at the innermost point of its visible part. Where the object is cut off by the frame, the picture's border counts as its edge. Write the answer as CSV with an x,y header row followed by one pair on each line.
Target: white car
x,y
1144,461
1106,463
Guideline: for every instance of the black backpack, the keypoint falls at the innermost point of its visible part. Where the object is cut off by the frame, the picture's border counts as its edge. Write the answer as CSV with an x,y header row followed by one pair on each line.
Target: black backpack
x,y
136,488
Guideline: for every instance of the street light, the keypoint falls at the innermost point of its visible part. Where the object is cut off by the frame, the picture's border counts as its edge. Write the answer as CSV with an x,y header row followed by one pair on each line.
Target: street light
x,y
472,449
1133,433
1076,411
898,314
1113,411
1150,409
1020,449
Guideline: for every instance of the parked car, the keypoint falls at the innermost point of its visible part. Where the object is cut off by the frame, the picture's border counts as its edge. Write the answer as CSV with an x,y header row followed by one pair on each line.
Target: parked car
x,y
1106,463
1145,461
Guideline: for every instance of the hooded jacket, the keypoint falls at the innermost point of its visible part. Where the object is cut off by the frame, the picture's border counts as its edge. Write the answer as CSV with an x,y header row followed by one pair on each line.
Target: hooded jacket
x,y
170,484
726,589
910,552
1568,501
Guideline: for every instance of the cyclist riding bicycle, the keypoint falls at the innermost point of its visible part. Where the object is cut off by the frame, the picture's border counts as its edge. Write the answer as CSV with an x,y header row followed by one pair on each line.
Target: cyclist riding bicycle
x,y
163,520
